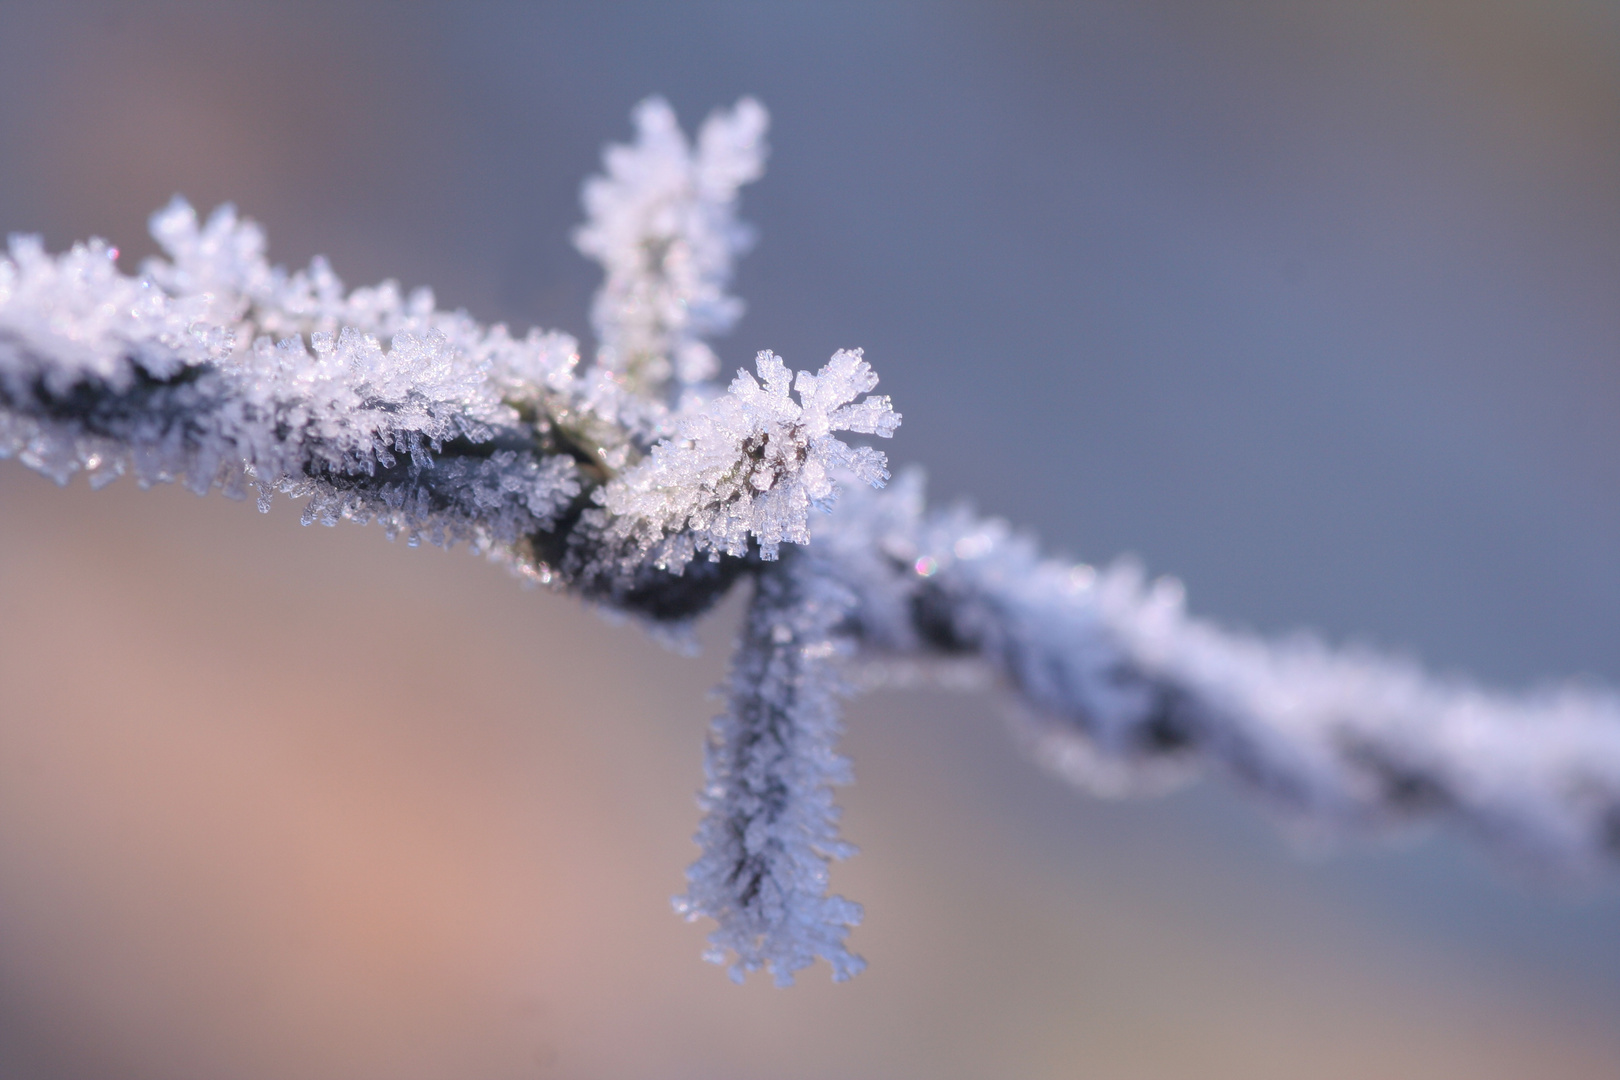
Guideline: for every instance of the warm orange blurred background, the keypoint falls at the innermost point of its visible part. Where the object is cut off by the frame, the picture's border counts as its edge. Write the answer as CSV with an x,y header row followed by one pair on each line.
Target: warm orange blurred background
x,y
1315,307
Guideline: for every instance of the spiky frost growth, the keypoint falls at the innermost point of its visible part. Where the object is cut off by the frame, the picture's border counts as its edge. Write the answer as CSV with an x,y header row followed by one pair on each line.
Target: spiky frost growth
x,y
769,825
222,265
752,463
662,222
74,317
177,375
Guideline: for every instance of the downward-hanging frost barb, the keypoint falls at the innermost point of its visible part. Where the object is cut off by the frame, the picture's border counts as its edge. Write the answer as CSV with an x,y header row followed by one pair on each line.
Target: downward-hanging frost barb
x,y
769,825
751,463
216,368
663,224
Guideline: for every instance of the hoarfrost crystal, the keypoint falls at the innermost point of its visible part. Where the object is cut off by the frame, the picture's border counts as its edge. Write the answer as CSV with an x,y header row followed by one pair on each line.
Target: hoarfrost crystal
x,y
752,463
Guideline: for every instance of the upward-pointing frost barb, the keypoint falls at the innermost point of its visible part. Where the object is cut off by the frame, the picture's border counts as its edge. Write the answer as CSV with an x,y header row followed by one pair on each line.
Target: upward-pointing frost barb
x,y
663,224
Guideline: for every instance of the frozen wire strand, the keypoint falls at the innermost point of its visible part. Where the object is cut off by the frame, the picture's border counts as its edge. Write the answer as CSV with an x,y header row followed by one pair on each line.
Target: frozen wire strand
x,y
108,373
1127,692
214,368
444,430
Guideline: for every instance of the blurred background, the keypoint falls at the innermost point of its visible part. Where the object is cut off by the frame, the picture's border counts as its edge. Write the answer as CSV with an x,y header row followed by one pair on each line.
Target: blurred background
x,y
1311,304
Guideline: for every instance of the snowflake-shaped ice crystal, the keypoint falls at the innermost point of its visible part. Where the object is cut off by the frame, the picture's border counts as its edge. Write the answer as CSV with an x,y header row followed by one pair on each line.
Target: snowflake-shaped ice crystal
x,y
753,461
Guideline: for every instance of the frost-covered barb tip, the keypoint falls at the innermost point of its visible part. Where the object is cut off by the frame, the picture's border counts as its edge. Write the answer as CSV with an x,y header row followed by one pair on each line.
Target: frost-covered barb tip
x,y
640,485
769,825
662,222
750,465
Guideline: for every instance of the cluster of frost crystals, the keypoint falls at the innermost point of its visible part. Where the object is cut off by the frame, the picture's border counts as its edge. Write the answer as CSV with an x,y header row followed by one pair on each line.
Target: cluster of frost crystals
x,y
74,316
770,826
751,463
662,222
222,263
215,368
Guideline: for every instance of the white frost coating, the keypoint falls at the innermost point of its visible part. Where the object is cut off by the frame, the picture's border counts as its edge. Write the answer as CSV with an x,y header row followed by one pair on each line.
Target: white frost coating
x,y
752,462
216,368
1129,693
663,224
89,320
222,264
1355,738
770,825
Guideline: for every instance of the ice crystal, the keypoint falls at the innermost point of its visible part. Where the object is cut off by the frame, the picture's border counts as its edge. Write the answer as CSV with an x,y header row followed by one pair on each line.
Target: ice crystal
x,y
74,317
753,462
222,264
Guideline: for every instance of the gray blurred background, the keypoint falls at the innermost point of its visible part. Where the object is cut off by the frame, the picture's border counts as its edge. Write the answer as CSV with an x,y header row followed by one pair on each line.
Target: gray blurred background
x,y
1311,304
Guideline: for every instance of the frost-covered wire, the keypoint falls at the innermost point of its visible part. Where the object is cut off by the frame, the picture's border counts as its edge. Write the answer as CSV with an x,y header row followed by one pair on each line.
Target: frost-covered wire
x,y
216,369
1124,691
639,483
